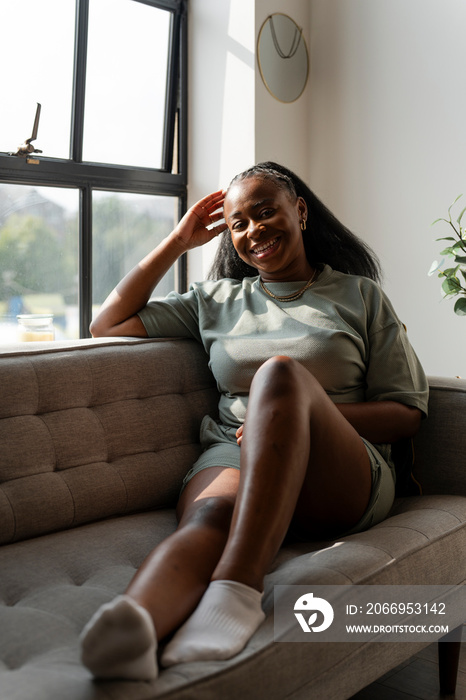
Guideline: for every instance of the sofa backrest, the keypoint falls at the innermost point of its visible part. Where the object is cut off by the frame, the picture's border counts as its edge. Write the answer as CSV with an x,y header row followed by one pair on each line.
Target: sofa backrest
x,y
97,429
440,446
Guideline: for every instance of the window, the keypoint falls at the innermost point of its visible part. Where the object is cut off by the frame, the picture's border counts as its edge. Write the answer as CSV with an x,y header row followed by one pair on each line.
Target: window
x,y
110,180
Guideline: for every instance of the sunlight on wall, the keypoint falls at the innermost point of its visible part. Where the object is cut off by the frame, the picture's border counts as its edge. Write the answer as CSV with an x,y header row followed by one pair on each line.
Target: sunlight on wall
x,y
221,105
238,123
238,97
241,25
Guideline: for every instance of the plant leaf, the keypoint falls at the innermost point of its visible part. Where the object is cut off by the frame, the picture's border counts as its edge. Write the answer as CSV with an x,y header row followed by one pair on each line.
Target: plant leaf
x,y
452,205
435,266
447,251
446,238
451,285
451,271
460,307
458,220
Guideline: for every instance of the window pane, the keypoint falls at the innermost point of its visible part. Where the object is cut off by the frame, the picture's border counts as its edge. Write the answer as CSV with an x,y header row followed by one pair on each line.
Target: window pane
x,y
125,228
36,56
126,83
38,257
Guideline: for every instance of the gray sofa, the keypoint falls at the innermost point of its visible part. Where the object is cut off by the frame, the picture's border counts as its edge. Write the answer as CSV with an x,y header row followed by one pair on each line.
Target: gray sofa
x,y
95,437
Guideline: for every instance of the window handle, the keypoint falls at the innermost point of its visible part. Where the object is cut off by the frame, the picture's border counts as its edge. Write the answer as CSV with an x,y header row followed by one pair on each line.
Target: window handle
x,y
27,148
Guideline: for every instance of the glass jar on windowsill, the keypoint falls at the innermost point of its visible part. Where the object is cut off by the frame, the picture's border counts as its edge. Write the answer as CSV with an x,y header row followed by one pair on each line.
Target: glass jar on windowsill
x,y
33,327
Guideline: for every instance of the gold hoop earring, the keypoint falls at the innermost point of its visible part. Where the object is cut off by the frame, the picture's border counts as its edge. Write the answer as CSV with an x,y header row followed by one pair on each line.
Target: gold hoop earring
x,y
303,225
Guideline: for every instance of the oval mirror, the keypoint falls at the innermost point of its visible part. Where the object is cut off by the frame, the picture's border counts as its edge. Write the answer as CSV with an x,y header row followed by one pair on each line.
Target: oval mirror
x,y
283,57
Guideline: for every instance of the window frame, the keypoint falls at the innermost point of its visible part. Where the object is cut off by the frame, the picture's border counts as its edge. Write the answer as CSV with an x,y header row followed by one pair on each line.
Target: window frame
x,y
90,176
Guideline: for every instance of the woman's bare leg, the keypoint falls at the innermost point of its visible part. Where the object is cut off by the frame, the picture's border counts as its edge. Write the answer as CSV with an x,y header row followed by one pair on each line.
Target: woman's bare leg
x,y
300,460
174,576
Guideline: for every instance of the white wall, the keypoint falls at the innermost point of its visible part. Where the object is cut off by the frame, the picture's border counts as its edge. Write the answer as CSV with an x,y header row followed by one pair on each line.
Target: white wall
x,y
379,132
388,146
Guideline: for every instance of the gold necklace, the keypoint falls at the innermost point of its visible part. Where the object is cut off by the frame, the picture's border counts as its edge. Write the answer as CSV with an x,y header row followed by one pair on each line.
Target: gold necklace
x,y
289,297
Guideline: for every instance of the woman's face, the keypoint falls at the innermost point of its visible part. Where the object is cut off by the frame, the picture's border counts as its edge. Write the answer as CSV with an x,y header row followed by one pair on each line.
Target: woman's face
x,y
264,222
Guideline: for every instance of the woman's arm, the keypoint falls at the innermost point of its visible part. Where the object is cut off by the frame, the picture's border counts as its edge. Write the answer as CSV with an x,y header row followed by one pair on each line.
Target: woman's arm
x,y
118,314
379,422
382,421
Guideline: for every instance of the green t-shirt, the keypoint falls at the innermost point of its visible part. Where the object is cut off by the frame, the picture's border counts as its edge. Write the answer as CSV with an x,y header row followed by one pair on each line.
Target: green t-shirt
x,y
343,330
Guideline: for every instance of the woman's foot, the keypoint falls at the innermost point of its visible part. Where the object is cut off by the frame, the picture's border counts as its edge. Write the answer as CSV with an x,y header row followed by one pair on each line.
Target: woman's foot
x,y
220,627
119,642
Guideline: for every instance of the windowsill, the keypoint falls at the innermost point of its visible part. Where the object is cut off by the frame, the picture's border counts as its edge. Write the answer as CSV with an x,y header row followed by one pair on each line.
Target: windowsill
x,y
78,343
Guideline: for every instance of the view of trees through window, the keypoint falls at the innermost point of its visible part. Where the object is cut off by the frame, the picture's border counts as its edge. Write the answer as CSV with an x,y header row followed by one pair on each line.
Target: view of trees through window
x,y
126,228
108,181
39,252
38,259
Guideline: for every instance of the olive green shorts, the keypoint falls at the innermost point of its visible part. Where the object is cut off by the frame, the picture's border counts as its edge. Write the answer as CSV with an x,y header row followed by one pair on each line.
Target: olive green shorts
x,y
383,488
222,450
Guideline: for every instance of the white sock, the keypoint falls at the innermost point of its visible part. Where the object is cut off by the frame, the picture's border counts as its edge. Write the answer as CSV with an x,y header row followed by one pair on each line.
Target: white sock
x,y
119,641
224,621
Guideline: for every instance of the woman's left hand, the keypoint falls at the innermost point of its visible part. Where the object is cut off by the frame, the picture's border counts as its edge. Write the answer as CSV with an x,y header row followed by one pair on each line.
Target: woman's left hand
x,y
239,435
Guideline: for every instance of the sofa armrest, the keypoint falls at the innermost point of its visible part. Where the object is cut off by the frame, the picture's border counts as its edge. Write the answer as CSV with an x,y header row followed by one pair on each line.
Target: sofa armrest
x,y
440,446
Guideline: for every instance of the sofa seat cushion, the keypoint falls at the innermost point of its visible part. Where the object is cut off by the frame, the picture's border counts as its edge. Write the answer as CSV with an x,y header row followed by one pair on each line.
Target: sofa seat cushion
x,y
51,585
49,588
423,533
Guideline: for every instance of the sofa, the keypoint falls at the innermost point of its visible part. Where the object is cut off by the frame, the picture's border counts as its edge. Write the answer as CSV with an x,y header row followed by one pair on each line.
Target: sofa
x,y
95,438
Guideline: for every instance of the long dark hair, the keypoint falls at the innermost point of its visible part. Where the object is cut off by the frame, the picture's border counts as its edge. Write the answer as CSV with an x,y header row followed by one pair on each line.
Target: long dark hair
x,y
326,240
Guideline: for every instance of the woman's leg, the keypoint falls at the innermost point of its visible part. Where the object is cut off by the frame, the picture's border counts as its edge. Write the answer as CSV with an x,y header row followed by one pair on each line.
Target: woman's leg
x,y
173,578
120,640
300,460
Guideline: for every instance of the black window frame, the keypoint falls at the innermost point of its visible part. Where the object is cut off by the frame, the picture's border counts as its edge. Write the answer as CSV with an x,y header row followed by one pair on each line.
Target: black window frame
x,y
90,176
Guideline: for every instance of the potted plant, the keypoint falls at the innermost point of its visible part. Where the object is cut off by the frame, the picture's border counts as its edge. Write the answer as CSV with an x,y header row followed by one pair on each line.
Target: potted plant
x,y
454,278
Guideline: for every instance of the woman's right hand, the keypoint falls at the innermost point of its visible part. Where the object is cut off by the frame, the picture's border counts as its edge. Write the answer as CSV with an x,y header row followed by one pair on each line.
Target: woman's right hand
x,y
192,230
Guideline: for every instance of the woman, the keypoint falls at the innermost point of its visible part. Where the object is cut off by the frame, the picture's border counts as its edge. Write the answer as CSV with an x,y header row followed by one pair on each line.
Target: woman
x,y
317,379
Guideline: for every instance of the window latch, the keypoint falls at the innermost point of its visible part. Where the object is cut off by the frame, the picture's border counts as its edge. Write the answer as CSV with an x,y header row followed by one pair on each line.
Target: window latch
x,y
27,148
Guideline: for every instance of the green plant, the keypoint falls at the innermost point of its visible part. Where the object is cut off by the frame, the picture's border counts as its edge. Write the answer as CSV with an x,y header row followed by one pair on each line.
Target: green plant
x,y
454,282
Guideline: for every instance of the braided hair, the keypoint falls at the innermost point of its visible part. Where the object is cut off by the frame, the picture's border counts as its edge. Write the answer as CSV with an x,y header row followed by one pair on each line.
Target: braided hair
x,y
328,240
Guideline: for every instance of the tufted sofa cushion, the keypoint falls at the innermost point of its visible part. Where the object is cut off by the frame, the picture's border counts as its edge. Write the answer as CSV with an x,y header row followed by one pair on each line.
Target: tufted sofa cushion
x,y
51,585
94,430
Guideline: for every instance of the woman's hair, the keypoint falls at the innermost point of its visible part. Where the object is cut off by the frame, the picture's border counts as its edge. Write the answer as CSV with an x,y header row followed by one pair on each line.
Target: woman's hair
x,y
326,240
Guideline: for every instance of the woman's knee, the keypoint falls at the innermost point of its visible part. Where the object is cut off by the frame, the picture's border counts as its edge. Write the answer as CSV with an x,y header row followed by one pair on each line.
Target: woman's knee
x,y
282,375
212,512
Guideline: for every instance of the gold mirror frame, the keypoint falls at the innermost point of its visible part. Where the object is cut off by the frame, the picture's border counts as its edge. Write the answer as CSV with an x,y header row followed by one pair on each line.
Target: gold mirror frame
x,y
283,57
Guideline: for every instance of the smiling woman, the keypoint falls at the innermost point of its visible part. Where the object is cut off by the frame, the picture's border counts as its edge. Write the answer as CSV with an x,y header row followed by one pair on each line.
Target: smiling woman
x,y
266,229
316,381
